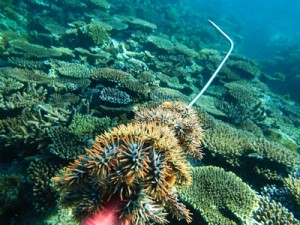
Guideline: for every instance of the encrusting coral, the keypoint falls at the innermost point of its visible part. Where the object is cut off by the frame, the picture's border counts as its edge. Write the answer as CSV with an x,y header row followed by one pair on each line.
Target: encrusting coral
x,y
140,163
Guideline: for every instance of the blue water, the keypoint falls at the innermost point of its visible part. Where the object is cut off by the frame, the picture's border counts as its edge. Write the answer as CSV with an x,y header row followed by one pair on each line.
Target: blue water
x,y
266,26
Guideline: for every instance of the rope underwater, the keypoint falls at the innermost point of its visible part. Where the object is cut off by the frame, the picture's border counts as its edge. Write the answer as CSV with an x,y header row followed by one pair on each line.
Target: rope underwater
x,y
219,67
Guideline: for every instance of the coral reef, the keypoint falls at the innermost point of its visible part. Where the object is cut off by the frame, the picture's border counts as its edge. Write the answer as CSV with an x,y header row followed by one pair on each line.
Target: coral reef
x,y
221,197
77,68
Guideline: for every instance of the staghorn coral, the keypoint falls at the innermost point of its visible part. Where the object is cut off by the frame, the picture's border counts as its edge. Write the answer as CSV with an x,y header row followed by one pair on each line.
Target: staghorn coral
x,y
40,174
221,197
28,127
140,163
8,85
24,98
115,96
181,119
271,212
53,114
65,144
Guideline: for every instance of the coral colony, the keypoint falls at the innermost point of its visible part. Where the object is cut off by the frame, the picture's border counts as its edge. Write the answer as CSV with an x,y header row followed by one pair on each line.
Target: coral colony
x,y
141,163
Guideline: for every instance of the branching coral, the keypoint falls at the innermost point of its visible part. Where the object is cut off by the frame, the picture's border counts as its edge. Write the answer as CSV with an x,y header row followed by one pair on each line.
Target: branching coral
x,y
272,212
87,126
40,174
65,144
139,163
293,185
228,142
115,96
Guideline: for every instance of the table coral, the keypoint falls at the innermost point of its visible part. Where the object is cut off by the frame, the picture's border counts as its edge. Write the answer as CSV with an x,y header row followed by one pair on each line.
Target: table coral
x,y
221,197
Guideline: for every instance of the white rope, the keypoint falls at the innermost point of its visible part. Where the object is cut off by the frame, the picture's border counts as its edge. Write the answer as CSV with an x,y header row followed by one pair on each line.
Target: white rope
x,y
219,67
